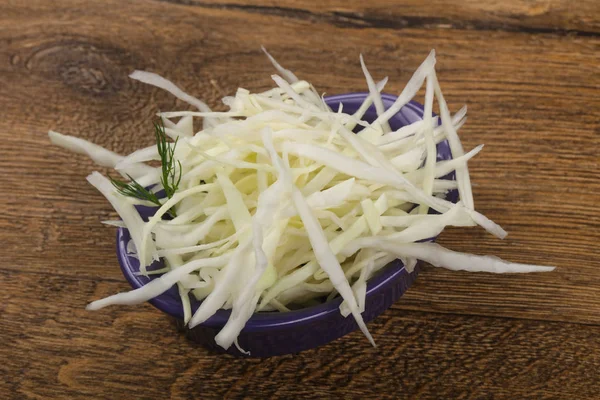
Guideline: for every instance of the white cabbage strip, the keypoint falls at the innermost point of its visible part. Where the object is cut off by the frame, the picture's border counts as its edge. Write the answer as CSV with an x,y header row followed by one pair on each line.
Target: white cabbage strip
x,y
280,205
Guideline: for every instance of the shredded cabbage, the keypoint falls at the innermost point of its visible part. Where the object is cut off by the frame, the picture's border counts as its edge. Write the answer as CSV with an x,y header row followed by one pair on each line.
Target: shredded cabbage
x,y
280,204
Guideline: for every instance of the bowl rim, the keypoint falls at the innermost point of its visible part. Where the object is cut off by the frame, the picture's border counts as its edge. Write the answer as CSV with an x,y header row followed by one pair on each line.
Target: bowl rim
x,y
268,320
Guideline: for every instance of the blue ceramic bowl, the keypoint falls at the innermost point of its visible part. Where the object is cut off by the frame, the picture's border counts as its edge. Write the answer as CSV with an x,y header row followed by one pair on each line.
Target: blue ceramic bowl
x,y
275,333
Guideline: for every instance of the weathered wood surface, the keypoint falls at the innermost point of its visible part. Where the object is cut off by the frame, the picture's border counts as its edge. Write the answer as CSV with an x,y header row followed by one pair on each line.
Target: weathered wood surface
x,y
529,72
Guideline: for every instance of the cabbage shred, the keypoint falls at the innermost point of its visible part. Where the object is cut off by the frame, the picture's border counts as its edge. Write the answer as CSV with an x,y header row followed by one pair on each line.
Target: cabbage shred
x,y
279,204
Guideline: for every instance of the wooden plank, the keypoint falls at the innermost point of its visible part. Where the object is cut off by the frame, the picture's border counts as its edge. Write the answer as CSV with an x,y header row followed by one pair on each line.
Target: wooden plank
x,y
529,73
539,16
53,348
533,100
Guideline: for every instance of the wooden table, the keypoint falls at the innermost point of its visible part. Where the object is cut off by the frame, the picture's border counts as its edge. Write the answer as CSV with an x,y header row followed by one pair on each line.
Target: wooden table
x,y
530,74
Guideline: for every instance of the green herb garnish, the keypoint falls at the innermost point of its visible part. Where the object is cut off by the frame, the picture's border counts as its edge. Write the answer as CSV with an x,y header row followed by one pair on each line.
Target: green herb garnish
x,y
171,175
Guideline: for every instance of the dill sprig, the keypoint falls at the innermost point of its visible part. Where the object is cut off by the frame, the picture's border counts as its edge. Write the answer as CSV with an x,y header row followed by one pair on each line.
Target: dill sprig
x,y
134,189
170,178
171,174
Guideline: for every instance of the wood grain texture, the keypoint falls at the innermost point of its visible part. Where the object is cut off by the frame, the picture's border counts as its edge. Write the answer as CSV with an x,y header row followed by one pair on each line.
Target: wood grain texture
x,y
531,16
425,355
529,72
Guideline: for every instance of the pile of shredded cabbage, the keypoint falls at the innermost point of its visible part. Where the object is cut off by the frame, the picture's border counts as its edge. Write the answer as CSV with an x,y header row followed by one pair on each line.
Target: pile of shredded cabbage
x,y
280,204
